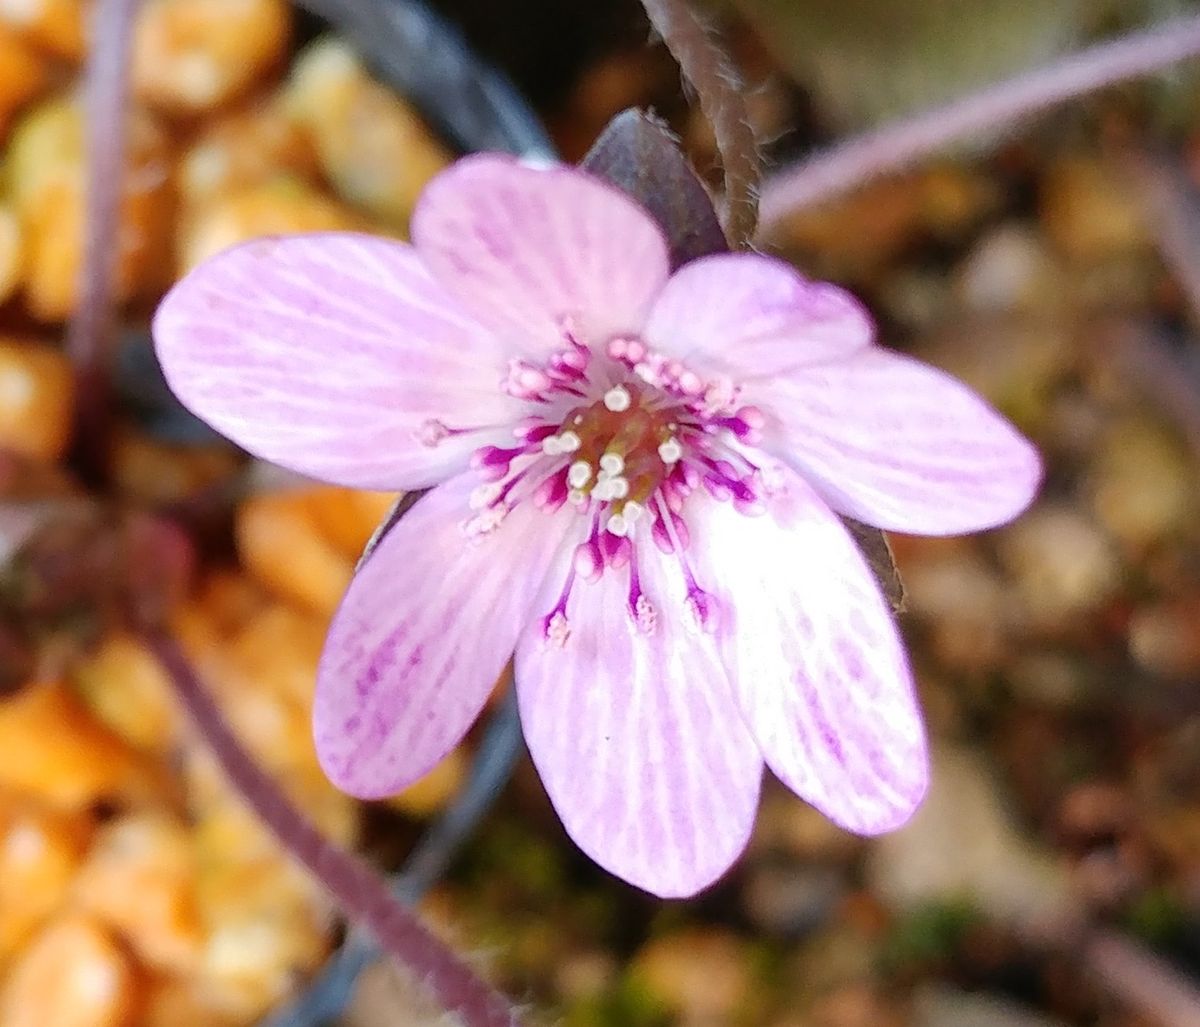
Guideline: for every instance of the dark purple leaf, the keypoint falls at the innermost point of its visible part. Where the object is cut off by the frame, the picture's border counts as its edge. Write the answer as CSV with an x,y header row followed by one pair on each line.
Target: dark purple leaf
x,y
639,154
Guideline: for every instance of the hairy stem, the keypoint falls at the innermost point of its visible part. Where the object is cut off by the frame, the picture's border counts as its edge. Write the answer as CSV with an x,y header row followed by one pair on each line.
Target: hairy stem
x,y
499,752
363,894
893,147
90,333
705,65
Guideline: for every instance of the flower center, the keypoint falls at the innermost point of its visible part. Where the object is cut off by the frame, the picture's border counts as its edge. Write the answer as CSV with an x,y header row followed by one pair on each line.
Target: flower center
x,y
625,436
621,447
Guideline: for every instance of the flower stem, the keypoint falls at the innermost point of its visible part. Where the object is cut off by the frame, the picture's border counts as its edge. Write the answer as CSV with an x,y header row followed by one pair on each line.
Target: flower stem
x,y
426,59
362,893
898,145
705,65
90,333
499,752
1142,981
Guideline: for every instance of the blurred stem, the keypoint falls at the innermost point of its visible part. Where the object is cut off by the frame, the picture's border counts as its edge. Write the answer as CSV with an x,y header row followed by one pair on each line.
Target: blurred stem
x,y
362,893
499,752
91,331
1172,210
705,65
426,59
1145,983
896,146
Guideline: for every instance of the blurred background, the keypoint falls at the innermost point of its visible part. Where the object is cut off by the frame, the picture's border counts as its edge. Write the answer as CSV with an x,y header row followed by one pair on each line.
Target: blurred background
x,y
1054,266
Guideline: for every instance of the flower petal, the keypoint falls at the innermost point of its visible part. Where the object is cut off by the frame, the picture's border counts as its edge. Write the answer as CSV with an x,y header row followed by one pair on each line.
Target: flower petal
x,y
814,655
899,445
533,252
329,354
749,316
637,737
428,624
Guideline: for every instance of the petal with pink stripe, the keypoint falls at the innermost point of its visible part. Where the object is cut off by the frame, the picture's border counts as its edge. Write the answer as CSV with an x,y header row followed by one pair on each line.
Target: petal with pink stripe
x,y
535,253
335,355
816,661
424,631
898,444
637,737
748,316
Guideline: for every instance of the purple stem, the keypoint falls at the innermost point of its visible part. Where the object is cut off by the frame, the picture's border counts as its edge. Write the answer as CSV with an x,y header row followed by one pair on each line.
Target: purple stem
x,y
705,65
1142,981
90,333
898,145
362,893
1172,208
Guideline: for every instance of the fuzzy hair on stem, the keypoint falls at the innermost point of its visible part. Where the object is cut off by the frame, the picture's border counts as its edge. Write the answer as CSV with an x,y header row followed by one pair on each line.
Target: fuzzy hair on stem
x,y
362,893
92,329
710,72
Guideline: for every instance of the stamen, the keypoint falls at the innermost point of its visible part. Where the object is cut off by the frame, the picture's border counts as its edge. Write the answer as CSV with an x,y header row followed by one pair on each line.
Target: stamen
x,y
533,429
645,615
431,432
569,442
486,521
588,561
525,381
551,492
612,464
617,399
617,551
556,630
670,452
579,474
703,611
485,495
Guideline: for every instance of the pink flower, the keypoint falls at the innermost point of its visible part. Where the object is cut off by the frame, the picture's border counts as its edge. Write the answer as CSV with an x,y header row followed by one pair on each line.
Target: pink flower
x,y
635,480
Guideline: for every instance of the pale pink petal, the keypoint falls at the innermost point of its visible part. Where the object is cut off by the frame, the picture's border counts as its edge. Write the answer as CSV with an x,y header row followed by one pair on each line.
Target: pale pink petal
x,y
536,253
424,631
895,443
637,738
331,354
814,655
748,315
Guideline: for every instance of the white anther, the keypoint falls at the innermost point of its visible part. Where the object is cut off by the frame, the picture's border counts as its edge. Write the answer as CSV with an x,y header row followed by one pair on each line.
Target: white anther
x,y
558,630
670,452
617,525
580,474
485,495
552,445
702,613
487,520
569,442
618,488
431,432
617,399
612,464
647,616
633,511
577,498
